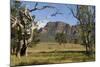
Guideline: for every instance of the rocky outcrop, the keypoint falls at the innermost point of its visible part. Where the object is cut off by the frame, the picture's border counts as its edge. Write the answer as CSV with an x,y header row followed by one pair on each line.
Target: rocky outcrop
x,y
49,31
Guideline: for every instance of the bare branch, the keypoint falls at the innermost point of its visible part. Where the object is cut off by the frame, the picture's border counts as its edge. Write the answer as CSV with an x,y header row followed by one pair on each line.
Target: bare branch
x,y
44,7
36,5
72,12
56,13
77,13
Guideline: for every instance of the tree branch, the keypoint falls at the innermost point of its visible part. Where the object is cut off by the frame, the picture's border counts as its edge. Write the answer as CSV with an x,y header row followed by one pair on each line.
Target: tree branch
x,y
72,12
56,13
36,5
36,8
77,13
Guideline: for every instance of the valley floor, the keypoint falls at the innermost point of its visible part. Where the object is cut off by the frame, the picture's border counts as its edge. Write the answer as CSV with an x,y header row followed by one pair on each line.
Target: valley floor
x,y
52,53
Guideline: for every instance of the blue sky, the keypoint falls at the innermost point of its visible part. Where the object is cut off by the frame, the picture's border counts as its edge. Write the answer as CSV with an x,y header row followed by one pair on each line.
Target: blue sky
x,y
43,16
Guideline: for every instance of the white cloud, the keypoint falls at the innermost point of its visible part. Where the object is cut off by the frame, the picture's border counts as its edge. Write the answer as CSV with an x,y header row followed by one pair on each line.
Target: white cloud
x,y
42,23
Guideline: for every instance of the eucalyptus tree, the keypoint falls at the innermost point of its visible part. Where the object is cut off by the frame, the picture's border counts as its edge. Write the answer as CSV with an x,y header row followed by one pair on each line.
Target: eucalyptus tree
x,y
22,26
85,14
61,38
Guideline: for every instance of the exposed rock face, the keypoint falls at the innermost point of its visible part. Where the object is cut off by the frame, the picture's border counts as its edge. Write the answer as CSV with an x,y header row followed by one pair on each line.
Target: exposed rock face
x,y
49,31
56,27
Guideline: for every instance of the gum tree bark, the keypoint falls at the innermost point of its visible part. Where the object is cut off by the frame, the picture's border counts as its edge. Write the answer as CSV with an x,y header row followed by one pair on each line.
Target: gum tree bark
x,y
22,28
23,25
27,31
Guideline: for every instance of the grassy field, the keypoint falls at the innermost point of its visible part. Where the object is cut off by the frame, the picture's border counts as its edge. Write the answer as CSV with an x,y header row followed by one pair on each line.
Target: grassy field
x,y
51,53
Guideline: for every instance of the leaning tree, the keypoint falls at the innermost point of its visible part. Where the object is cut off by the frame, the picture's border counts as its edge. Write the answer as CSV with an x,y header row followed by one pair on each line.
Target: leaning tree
x,y
22,26
22,31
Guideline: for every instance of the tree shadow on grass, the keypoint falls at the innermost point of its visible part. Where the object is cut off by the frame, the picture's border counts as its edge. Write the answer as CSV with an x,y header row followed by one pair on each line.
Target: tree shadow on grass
x,y
32,63
82,58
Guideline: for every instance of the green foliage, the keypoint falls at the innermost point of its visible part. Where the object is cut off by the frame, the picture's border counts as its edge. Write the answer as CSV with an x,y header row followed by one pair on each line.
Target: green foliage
x,y
86,17
21,31
15,31
60,38
15,5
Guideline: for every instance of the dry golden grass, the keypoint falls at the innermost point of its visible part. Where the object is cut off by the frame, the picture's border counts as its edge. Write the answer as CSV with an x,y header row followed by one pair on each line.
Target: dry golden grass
x,y
51,53
47,46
